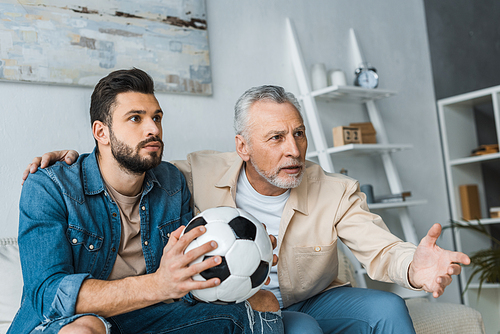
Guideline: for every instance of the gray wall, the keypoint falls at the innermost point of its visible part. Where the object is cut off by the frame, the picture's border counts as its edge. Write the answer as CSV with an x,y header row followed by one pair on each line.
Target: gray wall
x,y
464,43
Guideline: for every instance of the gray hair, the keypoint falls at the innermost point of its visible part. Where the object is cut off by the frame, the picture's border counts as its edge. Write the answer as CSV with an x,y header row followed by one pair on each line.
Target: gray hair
x,y
262,93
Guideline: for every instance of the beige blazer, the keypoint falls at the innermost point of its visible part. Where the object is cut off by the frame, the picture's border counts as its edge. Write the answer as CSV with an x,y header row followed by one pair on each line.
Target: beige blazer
x,y
324,208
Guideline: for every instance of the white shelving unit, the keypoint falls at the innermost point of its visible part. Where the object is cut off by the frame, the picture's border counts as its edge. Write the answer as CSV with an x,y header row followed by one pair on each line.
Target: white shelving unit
x,y
362,149
383,148
459,134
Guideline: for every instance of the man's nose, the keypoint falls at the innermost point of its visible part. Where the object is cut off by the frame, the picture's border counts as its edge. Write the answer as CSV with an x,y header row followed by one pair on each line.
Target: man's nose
x,y
152,128
292,149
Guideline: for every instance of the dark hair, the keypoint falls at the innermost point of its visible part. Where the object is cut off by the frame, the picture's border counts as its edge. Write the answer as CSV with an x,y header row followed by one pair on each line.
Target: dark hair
x,y
106,90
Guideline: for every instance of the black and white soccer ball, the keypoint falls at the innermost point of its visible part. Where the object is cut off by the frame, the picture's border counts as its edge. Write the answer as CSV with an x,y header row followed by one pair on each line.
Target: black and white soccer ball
x,y
246,251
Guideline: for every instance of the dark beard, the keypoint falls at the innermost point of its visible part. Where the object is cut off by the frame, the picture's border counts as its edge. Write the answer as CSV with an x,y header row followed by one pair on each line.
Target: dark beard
x,y
131,161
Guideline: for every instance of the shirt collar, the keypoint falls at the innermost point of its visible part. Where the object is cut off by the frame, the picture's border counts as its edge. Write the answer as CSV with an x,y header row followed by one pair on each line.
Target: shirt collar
x,y
92,179
230,178
298,196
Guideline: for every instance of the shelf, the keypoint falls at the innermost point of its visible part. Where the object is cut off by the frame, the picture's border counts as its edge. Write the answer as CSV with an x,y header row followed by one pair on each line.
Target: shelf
x,y
483,221
363,149
484,286
351,94
471,160
471,98
395,205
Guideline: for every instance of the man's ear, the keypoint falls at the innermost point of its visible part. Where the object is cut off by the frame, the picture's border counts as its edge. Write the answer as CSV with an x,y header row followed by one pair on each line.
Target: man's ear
x,y
101,132
242,147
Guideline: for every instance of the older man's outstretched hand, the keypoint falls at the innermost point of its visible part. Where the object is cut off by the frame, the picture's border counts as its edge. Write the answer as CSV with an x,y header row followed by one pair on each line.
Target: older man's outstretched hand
x,y
432,267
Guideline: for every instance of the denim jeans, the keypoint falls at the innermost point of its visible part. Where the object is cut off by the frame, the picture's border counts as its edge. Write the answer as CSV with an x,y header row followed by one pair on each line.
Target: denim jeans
x,y
299,323
182,318
353,310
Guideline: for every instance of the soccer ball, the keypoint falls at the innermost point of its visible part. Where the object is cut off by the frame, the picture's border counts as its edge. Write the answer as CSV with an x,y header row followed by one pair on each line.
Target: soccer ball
x,y
246,251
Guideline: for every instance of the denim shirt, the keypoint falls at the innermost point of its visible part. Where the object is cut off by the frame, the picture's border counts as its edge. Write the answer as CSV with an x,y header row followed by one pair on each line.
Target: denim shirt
x,y
69,231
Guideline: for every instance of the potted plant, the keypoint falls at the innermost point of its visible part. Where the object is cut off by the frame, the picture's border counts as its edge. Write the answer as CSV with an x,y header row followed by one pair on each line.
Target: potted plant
x,y
485,263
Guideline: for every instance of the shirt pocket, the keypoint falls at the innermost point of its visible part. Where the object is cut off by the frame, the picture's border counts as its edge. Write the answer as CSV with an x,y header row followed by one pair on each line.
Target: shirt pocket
x,y
167,228
85,246
317,266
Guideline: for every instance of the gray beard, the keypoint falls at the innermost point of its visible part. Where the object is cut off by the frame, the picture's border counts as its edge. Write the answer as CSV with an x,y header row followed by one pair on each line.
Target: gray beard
x,y
274,179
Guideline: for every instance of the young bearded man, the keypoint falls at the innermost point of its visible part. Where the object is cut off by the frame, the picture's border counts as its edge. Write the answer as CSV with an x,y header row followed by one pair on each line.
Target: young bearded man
x,y
309,210
100,240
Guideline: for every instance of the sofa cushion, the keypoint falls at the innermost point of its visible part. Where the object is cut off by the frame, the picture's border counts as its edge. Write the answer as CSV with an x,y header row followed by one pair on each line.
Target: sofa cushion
x,y
444,318
12,281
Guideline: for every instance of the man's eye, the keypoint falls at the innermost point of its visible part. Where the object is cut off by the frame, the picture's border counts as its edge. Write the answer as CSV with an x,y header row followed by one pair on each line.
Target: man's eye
x,y
135,118
277,137
157,118
299,134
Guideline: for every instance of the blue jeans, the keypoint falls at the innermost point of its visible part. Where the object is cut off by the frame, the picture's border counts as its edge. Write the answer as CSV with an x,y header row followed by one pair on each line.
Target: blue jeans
x,y
299,323
182,318
350,310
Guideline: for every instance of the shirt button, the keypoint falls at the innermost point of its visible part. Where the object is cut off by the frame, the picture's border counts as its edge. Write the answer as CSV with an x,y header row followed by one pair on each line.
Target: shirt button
x,y
317,249
143,208
168,235
146,243
114,214
113,249
91,247
74,241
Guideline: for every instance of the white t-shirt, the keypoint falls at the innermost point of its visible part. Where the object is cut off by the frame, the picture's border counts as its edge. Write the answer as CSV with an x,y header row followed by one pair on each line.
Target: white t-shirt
x,y
268,210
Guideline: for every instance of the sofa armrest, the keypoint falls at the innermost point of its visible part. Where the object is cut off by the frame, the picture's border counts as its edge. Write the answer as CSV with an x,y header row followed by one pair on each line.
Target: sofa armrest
x,y
433,317
12,280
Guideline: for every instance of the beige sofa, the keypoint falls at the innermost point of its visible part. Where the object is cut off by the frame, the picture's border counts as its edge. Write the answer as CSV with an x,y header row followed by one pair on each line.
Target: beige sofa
x,y
11,282
427,317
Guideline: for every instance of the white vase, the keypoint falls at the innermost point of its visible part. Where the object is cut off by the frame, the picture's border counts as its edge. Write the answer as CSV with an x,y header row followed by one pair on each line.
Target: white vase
x,y
337,78
318,76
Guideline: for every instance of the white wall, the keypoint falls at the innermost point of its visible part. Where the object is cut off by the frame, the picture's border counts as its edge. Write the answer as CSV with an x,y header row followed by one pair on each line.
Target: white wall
x,y
248,47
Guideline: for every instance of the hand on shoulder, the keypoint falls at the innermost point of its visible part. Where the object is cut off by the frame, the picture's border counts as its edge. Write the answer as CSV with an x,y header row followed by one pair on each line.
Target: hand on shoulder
x,y
48,159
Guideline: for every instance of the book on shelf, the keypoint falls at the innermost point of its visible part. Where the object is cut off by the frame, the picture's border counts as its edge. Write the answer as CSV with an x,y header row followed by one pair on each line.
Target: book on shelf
x,y
393,198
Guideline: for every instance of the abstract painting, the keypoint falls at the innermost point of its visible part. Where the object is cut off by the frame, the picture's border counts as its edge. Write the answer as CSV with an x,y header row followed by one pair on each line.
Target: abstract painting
x,y
78,42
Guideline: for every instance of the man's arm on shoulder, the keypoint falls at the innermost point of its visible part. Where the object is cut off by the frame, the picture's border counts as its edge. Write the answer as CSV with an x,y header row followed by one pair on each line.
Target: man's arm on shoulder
x,y
48,159
70,156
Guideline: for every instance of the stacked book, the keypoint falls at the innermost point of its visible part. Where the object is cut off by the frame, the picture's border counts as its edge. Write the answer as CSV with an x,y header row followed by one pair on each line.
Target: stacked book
x,y
393,198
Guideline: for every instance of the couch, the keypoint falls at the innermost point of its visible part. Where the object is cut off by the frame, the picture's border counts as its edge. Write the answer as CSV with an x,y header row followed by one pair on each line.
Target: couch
x,y
11,282
428,317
